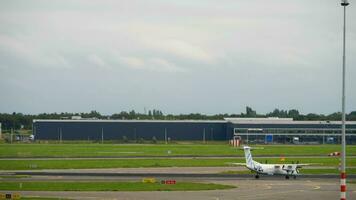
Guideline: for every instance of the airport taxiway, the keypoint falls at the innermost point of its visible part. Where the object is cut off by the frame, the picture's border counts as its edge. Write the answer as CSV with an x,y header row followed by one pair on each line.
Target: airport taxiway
x,y
247,189
316,187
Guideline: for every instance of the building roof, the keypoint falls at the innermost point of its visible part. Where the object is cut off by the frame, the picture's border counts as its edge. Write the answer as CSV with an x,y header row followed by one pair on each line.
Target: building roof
x,y
276,120
270,120
133,121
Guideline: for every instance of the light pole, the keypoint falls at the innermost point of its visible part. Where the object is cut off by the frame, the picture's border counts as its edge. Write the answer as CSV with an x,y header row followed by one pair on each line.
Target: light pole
x,y
344,3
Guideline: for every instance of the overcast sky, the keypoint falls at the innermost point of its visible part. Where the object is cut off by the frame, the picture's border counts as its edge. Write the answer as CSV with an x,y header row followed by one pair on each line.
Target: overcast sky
x,y
179,56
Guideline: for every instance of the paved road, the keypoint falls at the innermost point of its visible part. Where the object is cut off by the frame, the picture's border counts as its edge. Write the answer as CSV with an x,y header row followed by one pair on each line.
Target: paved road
x,y
160,175
247,189
163,170
316,187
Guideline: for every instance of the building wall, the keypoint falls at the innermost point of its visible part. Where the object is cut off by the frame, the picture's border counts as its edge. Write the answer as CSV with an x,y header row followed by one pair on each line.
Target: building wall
x,y
231,126
176,130
81,130
315,132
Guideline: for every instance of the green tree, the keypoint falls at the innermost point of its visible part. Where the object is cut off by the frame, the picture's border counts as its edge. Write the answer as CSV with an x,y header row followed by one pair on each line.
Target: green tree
x,y
250,112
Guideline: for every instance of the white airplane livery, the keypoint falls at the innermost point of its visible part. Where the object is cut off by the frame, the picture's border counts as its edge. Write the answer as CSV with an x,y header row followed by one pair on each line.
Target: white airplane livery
x,y
287,170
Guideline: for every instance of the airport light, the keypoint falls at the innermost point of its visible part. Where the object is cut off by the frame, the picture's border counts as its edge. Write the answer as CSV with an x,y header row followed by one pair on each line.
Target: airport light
x,y
344,3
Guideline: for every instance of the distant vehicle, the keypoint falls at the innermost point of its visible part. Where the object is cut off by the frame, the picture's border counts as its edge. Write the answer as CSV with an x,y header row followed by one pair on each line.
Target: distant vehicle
x,y
287,170
295,140
330,140
336,153
31,138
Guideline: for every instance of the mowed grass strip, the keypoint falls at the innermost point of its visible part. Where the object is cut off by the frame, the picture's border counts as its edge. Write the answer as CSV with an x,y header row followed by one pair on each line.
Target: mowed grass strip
x,y
41,198
135,163
112,150
14,176
110,163
109,186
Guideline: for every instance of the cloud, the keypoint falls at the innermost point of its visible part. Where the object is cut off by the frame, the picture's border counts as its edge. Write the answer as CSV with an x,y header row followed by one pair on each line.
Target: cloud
x,y
22,52
125,50
133,62
181,49
149,64
159,64
97,61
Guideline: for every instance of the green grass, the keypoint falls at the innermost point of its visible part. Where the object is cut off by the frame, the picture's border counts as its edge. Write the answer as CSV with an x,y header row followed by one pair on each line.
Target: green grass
x,y
105,150
41,198
110,163
109,186
14,176
133,163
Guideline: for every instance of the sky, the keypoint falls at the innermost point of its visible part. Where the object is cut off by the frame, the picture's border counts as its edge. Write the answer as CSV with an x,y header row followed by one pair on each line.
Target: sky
x,y
179,56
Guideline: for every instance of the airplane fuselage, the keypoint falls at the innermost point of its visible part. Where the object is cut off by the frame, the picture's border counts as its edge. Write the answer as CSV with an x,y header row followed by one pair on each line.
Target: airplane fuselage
x,y
270,169
274,169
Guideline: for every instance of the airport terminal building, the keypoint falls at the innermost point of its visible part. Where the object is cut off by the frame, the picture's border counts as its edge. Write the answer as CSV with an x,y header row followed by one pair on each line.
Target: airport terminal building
x,y
249,130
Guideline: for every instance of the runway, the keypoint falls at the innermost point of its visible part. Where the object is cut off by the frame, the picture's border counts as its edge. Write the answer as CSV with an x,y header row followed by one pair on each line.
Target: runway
x,y
316,187
172,175
247,189
176,172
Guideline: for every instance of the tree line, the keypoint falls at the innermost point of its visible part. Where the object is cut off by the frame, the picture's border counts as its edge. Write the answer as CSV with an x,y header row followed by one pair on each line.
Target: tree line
x,y
19,120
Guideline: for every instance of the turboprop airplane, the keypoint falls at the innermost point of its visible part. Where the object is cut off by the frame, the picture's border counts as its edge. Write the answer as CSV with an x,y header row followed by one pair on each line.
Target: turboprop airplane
x,y
287,170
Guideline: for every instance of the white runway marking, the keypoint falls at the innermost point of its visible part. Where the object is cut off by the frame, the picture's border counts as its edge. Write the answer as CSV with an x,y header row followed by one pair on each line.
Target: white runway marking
x,y
268,186
125,152
316,187
264,195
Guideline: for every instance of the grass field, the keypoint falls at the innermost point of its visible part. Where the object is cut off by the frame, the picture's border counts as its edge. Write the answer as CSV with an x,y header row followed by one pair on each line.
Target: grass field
x,y
112,150
109,186
14,176
132,163
41,198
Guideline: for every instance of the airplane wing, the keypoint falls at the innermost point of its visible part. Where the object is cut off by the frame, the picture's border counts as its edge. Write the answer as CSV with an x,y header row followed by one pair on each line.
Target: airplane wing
x,y
237,164
252,148
308,164
302,165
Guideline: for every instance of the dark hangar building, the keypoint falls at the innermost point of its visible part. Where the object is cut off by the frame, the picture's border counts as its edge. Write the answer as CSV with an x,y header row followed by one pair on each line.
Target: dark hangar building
x,y
251,130
131,129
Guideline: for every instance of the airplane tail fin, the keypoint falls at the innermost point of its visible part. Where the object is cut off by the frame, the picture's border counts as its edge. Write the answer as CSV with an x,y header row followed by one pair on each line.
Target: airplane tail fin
x,y
248,156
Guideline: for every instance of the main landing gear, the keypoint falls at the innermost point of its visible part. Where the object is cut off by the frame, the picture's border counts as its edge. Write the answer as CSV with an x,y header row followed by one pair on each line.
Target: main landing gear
x,y
257,176
294,177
